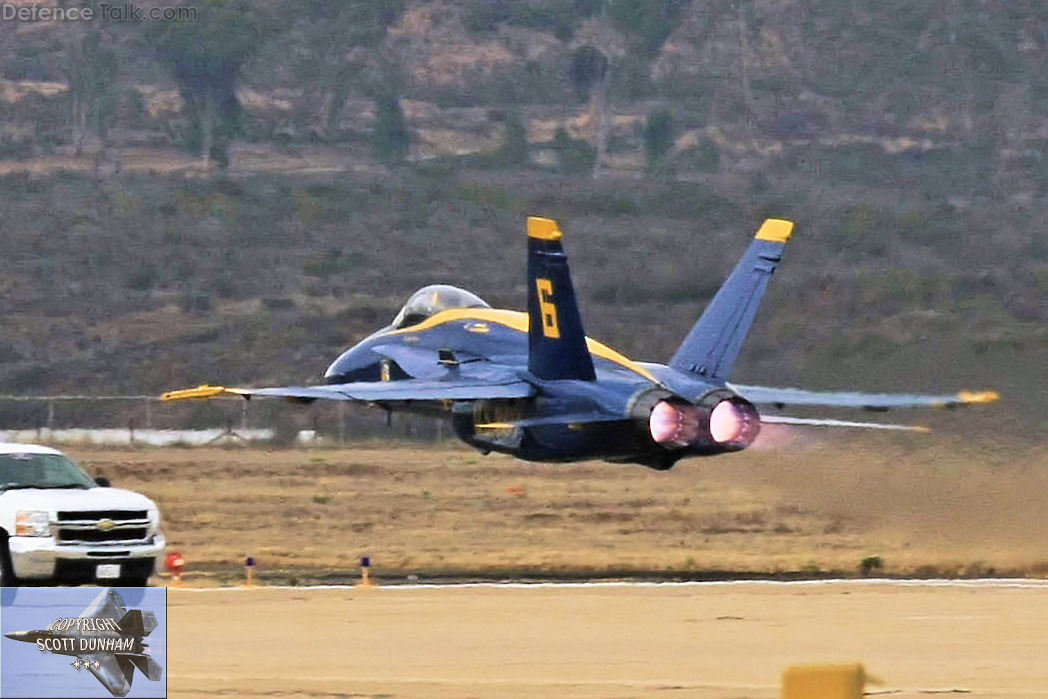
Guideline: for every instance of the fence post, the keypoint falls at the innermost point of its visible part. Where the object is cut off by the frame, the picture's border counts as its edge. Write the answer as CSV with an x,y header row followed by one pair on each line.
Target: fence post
x,y
341,422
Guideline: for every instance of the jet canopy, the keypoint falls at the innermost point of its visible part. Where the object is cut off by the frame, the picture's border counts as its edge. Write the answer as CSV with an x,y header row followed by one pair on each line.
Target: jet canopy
x,y
434,299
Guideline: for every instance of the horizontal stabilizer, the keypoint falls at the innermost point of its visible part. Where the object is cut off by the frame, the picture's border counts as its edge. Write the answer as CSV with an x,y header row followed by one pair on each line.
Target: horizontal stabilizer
x,y
868,401
714,343
147,665
819,422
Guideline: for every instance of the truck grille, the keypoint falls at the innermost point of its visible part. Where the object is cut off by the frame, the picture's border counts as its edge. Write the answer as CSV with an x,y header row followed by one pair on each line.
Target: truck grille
x,y
102,527
67,536
115,515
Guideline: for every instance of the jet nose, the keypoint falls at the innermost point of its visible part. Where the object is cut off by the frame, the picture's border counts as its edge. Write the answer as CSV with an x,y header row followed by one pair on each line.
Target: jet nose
x,y
19,636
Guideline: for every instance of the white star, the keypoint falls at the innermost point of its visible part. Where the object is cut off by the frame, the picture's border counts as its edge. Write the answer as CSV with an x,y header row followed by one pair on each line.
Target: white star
x,y
76,663
96,663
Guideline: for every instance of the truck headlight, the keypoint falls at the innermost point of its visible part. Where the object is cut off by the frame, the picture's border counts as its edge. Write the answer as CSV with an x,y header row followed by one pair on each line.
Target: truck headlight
x,y
154,519
32,523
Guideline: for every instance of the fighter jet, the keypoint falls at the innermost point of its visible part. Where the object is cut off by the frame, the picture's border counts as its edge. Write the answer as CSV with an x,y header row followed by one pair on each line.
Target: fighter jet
x,y
106,639
535,386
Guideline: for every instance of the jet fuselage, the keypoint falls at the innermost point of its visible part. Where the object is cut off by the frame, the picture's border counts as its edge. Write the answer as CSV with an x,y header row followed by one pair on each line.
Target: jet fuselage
x,y
568,420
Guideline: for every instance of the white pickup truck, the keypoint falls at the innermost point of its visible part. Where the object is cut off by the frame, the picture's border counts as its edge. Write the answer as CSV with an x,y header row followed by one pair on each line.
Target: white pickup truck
x,y
58,524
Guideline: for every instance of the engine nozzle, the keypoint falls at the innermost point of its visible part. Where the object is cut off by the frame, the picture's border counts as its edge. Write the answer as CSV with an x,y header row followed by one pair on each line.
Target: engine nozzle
x,y
719,421
675,425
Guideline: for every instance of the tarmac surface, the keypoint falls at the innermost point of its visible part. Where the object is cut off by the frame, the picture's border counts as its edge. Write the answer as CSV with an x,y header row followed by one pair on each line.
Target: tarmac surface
x,y
973,638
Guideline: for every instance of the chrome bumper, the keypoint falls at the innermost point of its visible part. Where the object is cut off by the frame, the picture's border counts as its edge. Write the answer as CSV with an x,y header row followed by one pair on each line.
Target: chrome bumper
x,y
34,557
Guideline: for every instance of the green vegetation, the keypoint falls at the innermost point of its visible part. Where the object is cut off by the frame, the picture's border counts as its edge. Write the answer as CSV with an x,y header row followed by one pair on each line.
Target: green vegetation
x,y
573,155
658,139
870,564
556,16
391,139
514,150
205,57
956,117
588,67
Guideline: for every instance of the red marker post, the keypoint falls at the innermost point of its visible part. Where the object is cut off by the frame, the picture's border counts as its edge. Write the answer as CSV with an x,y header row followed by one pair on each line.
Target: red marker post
x,y
174,563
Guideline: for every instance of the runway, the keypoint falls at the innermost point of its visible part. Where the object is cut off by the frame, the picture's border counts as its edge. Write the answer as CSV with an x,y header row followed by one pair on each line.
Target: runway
x,y
713,640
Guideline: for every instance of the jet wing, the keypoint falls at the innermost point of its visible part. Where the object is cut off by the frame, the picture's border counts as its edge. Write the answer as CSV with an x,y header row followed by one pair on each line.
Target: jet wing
x,y
108,603
115,673
375,391
867,401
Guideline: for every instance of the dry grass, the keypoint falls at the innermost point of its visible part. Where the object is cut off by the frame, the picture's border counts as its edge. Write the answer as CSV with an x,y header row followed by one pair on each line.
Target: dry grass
x,y
444,510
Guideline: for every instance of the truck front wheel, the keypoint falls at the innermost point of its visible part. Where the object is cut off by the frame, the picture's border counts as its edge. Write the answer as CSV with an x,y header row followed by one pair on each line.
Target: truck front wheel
x,y
7,575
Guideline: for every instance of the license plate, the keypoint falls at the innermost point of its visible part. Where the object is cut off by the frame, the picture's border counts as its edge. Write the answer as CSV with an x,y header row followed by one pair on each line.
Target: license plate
x,y
107,571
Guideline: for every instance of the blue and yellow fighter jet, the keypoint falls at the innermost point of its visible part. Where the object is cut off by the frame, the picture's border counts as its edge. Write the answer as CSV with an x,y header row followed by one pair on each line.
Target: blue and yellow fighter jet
x,y
534,386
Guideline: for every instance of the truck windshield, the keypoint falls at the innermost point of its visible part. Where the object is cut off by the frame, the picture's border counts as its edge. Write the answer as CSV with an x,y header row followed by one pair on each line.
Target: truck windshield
x,y
41,471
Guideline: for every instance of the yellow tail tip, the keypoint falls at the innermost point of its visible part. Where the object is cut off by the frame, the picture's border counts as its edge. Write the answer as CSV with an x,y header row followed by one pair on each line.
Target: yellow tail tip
x,y
543,228
776,230
978,396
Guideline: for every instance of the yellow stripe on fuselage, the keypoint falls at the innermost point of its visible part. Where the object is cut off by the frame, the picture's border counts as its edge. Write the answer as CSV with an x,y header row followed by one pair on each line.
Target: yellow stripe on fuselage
x,y
519,321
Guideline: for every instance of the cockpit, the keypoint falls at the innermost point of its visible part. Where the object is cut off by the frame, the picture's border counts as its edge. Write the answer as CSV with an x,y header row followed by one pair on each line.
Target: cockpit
x,y
433,299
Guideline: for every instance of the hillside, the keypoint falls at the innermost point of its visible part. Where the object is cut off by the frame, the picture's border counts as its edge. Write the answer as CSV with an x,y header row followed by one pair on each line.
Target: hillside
x,y
906,141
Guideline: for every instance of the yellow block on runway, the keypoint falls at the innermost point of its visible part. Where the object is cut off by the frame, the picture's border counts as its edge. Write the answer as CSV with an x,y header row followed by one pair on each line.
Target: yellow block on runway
x,y
844,681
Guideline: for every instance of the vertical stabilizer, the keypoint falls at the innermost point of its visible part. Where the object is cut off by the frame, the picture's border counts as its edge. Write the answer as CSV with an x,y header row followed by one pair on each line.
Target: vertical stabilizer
x,y
138,623
714,343
556,341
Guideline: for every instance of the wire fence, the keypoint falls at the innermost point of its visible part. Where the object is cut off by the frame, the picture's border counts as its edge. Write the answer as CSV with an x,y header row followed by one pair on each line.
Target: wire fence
x,y
145,419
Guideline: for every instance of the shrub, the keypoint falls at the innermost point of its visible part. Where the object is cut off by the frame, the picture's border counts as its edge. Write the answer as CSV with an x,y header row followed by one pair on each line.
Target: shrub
x,y
573,155
142,277
658,138
195,302
514,150
870,564
391,137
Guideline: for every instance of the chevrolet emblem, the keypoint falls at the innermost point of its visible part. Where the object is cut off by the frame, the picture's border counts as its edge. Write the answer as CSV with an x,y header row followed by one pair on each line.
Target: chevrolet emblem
x,y
105,524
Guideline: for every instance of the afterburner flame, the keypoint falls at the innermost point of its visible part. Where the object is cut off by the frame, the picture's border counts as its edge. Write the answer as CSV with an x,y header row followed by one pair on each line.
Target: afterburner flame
x,y
675,425
725,422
